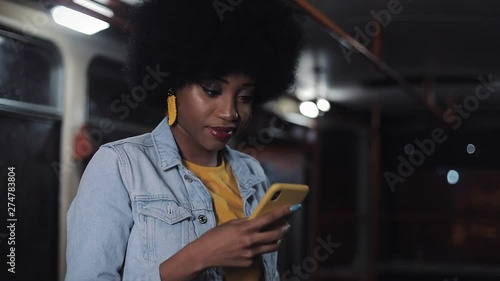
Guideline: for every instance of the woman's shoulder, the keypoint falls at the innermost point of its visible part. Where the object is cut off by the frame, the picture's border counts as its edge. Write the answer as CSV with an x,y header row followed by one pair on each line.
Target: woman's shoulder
x,y
126,148
241,156
139,140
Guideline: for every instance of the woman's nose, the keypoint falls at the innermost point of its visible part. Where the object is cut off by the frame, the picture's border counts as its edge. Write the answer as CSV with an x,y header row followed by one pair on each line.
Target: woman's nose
x,y
227,109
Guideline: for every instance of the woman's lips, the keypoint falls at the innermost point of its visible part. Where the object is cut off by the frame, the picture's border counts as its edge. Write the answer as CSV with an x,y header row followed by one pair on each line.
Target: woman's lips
x,y
222,133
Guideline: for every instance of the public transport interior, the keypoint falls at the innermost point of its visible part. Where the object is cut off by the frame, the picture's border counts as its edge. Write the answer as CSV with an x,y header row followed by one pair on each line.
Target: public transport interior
x,y
394,124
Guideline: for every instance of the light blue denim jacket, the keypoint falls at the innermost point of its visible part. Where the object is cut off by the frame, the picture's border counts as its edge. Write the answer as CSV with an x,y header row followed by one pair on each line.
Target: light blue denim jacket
x,y
137,205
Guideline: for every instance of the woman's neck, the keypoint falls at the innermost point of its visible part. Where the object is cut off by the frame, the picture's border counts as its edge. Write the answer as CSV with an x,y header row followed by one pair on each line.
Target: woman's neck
x,y
206,161
190,151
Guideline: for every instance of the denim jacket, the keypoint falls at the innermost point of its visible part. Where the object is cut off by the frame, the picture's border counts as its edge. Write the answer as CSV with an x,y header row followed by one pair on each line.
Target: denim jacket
x,y
137,205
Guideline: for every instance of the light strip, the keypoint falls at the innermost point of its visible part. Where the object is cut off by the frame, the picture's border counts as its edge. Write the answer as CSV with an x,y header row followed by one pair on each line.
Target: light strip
x,y
77,21
98,8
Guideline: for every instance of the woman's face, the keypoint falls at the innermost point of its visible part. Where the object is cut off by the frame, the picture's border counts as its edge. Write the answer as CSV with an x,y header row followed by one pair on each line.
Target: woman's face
x,y
210,113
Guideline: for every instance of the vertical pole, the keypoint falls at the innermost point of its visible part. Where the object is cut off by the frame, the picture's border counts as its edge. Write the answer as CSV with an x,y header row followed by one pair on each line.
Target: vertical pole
x,y
374,193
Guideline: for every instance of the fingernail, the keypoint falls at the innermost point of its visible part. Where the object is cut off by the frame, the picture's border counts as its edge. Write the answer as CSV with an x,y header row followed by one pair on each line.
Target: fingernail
x,y
279,242
295,207
285,228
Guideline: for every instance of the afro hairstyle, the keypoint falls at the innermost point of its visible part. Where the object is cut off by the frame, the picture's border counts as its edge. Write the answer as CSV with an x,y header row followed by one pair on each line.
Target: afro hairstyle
x,y
200,40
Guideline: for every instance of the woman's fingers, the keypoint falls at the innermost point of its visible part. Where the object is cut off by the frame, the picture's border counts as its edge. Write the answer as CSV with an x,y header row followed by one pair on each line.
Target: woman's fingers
x,y
271,236
270,218
240,240
266,248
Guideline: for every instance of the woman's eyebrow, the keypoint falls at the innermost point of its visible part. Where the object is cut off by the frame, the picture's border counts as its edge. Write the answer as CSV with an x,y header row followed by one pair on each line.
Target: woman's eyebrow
x,y
222,80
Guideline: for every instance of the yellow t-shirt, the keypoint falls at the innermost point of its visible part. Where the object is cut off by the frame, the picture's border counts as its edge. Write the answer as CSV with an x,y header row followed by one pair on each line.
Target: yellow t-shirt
x,y
222,186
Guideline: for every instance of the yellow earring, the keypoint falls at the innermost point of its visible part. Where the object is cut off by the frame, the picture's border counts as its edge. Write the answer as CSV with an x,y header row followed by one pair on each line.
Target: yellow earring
x,y
171,107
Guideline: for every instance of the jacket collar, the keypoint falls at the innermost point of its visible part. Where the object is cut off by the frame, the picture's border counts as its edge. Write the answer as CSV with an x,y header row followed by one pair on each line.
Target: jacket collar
x,y
166,147
246,176
169,156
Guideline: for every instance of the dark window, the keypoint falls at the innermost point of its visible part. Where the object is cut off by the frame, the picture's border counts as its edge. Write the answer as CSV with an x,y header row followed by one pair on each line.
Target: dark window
x,y
31,145
111,97
29,70
30,130
112,103
432,222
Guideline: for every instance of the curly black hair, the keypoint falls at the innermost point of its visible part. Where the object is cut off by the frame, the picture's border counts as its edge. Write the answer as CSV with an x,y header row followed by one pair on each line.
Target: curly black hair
x,y
197,40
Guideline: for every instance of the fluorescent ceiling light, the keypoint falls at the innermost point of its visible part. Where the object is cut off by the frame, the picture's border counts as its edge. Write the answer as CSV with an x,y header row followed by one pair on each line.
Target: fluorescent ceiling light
x,y
77,21
323,105
309,109
98,8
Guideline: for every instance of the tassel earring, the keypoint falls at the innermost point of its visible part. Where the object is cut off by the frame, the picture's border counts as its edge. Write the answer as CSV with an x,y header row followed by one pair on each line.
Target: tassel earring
x,y
171,107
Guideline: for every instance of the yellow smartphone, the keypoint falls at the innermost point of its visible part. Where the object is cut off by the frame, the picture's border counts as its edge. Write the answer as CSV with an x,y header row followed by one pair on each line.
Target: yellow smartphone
x,y
280,194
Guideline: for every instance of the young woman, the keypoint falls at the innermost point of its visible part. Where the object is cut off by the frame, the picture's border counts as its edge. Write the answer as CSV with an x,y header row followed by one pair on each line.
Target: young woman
x,y
172,204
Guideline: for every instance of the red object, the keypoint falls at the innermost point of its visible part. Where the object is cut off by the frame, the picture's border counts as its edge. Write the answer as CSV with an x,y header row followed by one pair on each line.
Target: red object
x,y
83,148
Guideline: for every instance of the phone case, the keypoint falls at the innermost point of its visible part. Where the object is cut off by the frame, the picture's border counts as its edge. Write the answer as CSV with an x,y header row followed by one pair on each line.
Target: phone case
x,y
280,194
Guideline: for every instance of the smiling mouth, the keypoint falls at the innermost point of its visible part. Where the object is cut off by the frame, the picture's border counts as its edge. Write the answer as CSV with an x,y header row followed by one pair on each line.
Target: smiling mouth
x,y
222,133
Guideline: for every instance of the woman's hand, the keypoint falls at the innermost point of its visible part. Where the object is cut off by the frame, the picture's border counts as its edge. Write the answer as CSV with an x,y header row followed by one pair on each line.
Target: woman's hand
x,y
237,242
232,244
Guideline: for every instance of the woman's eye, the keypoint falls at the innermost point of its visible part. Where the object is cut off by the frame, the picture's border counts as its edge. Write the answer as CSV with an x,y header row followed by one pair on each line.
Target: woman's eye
x,y
246,99
211,92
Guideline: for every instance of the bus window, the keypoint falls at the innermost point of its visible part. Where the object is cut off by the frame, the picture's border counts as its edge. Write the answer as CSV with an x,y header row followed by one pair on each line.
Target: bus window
x,y
112,104
30,130
29,71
